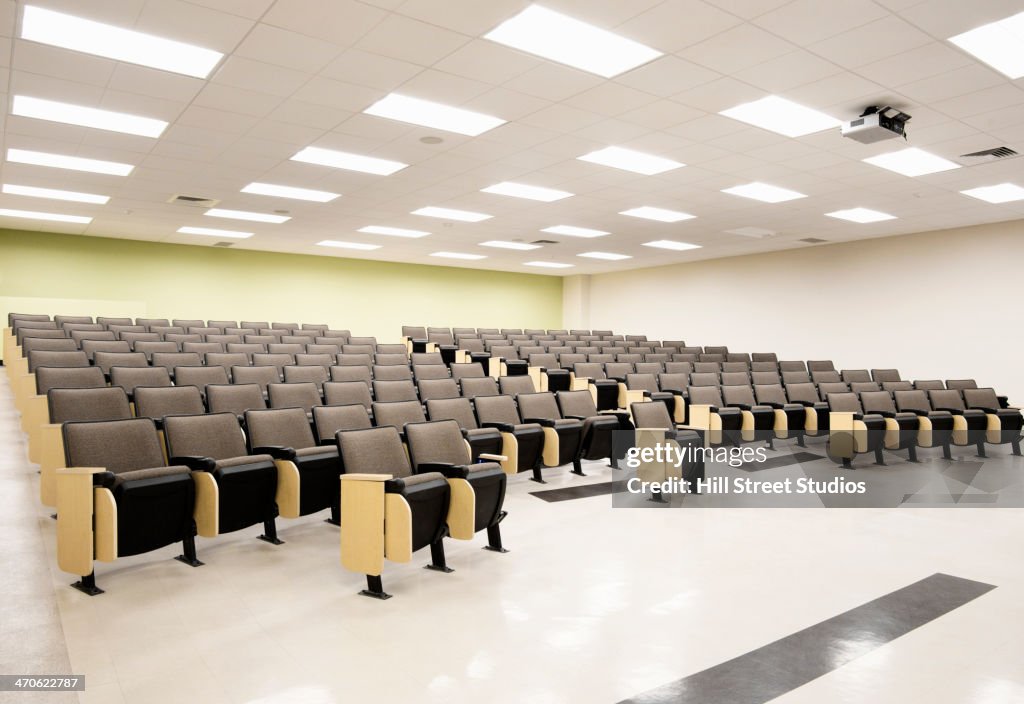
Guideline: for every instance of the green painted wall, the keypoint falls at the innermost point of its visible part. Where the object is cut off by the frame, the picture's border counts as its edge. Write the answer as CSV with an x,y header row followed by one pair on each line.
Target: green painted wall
x,y
51,273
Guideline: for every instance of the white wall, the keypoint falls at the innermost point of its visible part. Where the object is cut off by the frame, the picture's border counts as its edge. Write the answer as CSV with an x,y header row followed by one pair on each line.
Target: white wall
x,y
942,304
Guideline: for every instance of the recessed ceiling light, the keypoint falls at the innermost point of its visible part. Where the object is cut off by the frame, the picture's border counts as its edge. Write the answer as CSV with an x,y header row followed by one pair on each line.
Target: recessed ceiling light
x,y
348,245
551,35
630,160
999,44
781,116
549,265
458,255
54,217
764,192
605,255
54,194
1001,193
53,111
573,231
348,161
502,244
522,190
430,114
451,214
861,215
659,214
246,215
270,189
752,232
70,32
671,244
392,231
74,163
912,162
213,232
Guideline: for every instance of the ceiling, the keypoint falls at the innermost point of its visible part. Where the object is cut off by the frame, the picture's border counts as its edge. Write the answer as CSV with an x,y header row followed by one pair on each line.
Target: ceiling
x,y
300,72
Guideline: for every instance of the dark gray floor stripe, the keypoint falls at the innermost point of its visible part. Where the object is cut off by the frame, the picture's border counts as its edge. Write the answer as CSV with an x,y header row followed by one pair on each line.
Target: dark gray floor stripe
x,y
583,491
774,669
781,461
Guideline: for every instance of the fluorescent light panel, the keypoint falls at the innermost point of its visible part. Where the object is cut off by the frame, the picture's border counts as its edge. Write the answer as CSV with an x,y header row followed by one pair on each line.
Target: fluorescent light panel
x,y
671,244
53,111
781,116
551,35
503,244
348,161
912,162
999,44
630,160
764,192
54,194
1000,193
431,211
458,255
348,245
73,163
573,231
271,189
213,232
609,256
549,265
427,113
861,215
53,217
660,214
246,215
98,39
392,231
522,190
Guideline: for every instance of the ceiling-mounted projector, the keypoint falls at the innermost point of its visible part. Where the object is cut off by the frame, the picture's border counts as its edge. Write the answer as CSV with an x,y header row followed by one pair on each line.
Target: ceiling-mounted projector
x,y
876,124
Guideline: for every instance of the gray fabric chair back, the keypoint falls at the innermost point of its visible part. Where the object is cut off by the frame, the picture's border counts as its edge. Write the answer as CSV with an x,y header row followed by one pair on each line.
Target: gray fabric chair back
x,y
116,445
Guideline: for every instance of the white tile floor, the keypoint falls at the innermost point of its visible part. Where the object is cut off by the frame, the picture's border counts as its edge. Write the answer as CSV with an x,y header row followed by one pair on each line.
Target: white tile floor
x,y
592,604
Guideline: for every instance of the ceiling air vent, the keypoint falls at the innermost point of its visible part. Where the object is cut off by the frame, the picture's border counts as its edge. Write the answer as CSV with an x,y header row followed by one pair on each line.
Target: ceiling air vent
x,y
813,240
223,244
194,201
987,155
543,242
757,232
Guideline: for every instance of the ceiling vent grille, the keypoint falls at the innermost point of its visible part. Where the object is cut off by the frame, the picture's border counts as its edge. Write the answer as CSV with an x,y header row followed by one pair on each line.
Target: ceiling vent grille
x,y
223,244
544,242
193,201
987,155
813,240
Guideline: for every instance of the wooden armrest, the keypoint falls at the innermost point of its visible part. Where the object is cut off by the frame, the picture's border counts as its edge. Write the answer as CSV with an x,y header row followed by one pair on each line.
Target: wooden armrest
x,y
493,458
366,477
80,470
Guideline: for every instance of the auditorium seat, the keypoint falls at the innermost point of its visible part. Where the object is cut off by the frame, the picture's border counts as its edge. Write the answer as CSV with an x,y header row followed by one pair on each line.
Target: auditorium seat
x,y
307,473
200,377
328,420
935,428
1004,423
654,426
472,387
437,389
118,497
482,441
255,375
347,393
391,373
130,378
304,395
235,398
970,426
158,401
758,421
901,427
313,374
397,413
790,417
852,431
563,441
881,375
523,443
361,374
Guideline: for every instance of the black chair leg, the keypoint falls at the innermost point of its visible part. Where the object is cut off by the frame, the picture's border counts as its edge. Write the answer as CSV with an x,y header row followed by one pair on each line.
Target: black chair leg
x,y
1016,446
494,539
577,467
537,476
87,585
981,449
912,452
188,545
800,440
770,442
946,452
437,562
847,463
879,458
270,532
335,519
374,588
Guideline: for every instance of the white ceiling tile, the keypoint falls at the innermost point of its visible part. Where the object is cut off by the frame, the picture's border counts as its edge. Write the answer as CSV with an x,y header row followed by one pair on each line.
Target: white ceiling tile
x,y
129,78
296,136
509,104
603,13
787,71
259,77
487,61
216,120
667,76
719,95
610,99
869,43
951,84
749,9
335,94
237,100
469,17
676,24
914,65
341,22
661,115
806,21
252,9
612,132
944,19
443,87
997,120
282,47
411,40
61,63
720,51
553,82
8,17
298,112
562,118
982,101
